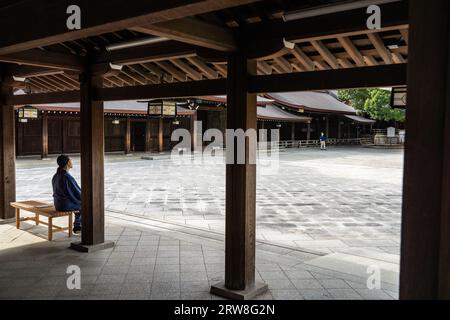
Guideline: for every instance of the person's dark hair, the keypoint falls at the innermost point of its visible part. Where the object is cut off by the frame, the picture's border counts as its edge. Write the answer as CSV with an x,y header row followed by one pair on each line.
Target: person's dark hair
x,y
62,161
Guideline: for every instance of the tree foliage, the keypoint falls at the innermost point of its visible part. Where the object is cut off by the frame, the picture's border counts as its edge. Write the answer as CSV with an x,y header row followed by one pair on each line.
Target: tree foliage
x,y
372,102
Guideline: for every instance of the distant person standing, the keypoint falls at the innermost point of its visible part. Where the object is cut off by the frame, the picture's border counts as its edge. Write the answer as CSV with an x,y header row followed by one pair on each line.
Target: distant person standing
x,y
323,141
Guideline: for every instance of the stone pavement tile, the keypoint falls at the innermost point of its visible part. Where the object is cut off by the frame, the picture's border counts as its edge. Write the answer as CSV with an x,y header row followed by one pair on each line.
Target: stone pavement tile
x,y
138,277
280,285
21,281
166,276
215,267
110,278
143,268
196,296
393,294
273,275
268,267
334,284
298,275
83,291
286,295
168,254
106,289
138,261
192,267
357,285
41,292
315,294
194,286
167,268
374,294
134,297
165,285
345,294
115,269
307,284
102,297
52,281
165,295
167,261
124,249
193,276
136,288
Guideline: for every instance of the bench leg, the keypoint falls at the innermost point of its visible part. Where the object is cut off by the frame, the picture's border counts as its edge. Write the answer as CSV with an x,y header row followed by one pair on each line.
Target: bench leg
x,y
37,218
70,225
17,218
50,228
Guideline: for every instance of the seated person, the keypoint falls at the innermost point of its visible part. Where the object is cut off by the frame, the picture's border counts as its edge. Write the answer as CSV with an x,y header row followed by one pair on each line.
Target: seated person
x,y
66,191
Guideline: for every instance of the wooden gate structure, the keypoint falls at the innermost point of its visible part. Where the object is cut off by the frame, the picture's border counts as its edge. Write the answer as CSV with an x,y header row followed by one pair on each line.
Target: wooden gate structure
x,y
134,49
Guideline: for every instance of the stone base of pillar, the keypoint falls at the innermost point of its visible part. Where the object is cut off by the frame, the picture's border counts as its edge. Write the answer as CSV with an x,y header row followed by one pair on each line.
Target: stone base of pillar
x,y
78,246
249,293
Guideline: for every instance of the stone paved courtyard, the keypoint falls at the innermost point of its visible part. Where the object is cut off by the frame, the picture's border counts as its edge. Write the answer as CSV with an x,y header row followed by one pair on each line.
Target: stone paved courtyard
x,y
320,201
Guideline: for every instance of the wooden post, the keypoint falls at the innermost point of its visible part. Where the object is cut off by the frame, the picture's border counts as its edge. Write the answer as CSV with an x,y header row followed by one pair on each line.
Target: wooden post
x,y
92,165
327,127
161,135
308,131
148,135
425,258
193,131
293,131
44,134
128,136
240,188
7,156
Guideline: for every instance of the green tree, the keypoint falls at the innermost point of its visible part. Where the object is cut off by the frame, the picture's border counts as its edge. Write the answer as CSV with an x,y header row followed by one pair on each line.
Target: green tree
x,y
374,103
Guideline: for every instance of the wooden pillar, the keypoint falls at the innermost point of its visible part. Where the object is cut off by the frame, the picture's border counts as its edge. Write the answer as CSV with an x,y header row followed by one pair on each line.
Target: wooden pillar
x,y
293,131
148,135
339,130
161,135
7,156
128,136
425,252
194,131
92,165
327,127
240,188
308,131
44,135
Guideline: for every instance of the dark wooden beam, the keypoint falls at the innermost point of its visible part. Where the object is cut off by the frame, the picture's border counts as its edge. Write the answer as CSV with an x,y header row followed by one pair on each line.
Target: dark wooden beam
x,y
240,186
100,16
192,31
365,77
45,59
166,90
149,53
425,250
341,23
7,156
42,98
26,71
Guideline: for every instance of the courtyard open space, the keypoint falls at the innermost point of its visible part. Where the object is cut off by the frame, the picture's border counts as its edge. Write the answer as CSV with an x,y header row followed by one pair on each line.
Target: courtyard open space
x,y
323,218
321,201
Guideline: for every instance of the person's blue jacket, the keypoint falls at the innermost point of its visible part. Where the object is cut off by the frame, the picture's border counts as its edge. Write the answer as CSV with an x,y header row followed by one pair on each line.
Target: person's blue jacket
x,y
66,191
323,138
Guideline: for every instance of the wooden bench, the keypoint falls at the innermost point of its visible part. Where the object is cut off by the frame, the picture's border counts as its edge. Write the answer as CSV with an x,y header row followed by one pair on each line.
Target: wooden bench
x,y
40,208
